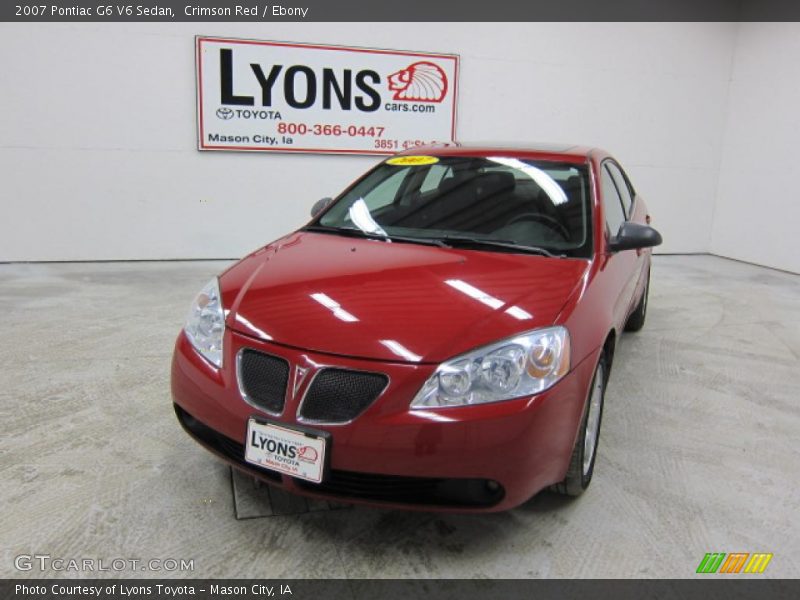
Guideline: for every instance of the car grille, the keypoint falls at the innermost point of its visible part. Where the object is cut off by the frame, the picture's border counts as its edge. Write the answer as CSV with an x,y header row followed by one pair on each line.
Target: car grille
x,y
338,395
263,379
429,491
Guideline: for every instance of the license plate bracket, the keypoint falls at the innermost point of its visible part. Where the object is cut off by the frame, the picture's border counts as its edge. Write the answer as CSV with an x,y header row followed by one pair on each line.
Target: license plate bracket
x,y
293,450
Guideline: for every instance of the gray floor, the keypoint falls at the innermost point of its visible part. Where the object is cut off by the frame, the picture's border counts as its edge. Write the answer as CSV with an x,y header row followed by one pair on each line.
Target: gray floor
x,y
699,449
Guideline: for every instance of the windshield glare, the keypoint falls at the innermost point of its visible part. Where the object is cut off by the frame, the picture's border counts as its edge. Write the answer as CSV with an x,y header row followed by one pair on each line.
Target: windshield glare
x,y
527,202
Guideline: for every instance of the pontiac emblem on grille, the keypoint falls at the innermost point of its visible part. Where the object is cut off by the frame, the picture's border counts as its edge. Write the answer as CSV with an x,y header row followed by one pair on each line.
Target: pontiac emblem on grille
x,y
299,376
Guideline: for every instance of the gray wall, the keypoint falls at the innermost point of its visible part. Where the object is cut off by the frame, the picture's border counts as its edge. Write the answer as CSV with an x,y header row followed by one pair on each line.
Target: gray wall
x,y
97,131
757,213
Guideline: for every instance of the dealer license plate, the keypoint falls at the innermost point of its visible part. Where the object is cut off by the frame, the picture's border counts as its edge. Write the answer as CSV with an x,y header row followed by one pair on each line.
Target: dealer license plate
x,y
287,450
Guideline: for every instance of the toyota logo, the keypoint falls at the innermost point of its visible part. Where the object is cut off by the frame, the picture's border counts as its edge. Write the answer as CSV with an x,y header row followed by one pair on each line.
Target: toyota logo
x,y
224,112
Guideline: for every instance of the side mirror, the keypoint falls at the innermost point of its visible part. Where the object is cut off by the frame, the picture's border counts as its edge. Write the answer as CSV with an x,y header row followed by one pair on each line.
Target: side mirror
x,y
632,236
320,205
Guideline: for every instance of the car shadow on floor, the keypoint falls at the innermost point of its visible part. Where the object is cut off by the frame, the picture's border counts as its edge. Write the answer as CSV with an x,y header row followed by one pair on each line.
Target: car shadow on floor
x,y
377,542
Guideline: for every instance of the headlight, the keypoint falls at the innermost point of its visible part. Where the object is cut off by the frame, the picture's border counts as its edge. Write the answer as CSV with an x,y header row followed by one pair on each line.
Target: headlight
x,y
520,366
205,324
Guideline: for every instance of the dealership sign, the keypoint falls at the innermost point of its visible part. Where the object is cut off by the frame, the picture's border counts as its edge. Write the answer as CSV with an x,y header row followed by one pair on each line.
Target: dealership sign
x,y
288,97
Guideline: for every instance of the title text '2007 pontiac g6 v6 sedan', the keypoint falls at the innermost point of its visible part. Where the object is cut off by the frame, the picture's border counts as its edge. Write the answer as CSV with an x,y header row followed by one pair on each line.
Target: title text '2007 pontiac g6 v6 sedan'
x,y
438,337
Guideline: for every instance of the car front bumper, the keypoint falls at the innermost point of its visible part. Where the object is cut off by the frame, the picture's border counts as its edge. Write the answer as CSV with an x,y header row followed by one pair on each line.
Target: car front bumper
x,y
488,457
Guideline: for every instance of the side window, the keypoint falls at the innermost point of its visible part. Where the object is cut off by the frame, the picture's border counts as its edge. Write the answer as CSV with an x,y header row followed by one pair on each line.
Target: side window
x,y
622,186
612,205
385,192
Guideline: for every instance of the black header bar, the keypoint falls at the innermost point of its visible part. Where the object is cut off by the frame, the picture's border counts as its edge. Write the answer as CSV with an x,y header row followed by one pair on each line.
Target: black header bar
x,y
398,11
707,588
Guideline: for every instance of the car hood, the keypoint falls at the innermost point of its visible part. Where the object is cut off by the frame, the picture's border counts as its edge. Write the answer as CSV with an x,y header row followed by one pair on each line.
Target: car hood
x,y
392,301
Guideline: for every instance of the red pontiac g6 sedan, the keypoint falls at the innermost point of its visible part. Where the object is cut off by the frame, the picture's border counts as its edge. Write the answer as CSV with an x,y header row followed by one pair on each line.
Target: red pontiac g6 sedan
x,y
439,336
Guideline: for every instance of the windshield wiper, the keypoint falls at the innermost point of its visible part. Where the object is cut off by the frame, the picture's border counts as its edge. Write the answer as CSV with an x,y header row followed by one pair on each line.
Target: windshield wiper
x,y
348,231
443,242
360,233
492,243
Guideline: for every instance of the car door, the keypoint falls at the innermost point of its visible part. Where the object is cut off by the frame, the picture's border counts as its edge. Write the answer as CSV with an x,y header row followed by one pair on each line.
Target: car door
x,y
622,268
635,212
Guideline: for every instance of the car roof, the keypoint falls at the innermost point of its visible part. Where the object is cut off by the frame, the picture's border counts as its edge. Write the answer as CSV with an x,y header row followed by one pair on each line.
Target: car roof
x,y
563,152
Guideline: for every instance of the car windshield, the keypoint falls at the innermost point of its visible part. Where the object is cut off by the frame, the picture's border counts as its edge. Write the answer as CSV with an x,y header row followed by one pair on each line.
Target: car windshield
x,y
489,203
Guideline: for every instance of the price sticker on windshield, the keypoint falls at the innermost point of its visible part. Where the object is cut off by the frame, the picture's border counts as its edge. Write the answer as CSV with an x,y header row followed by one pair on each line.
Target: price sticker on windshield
x,y
412,161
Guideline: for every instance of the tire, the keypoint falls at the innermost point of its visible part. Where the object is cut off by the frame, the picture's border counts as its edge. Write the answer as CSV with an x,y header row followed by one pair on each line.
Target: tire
x,y
581,465
636,320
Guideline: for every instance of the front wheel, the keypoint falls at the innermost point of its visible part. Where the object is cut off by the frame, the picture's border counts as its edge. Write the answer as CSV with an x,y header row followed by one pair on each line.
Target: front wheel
x,y
581,464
